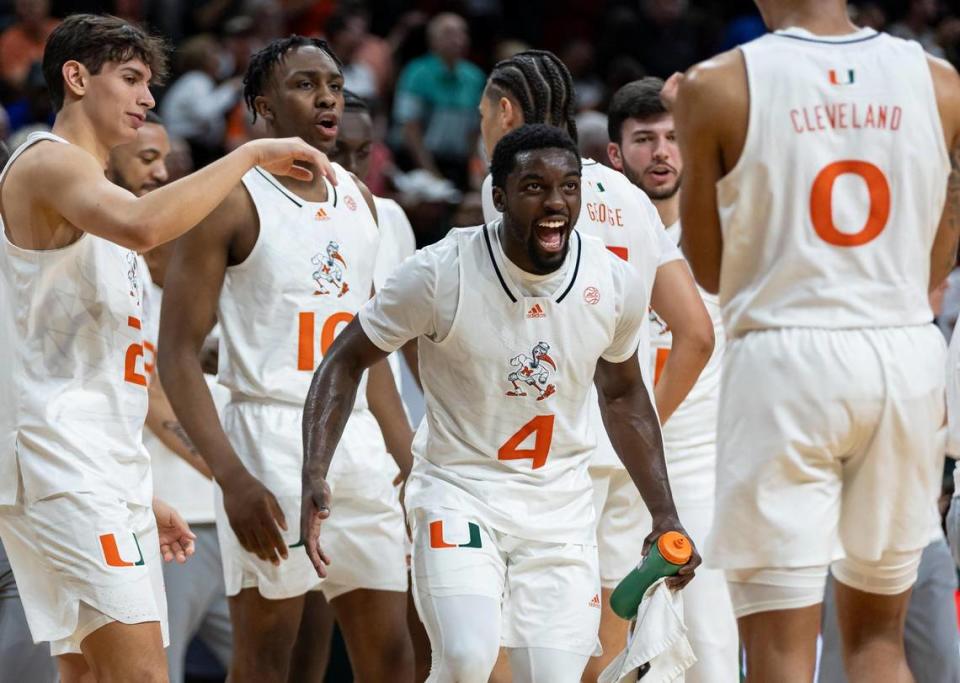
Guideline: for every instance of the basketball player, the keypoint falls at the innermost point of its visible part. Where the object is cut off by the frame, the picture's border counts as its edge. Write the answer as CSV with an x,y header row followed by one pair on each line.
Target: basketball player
x,y
817,159
196,601
535,87
643,146
283,266
75,484
514,319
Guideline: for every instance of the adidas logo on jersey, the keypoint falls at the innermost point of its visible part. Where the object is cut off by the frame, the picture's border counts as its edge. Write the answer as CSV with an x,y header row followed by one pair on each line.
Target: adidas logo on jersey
x,y
595,601
321,214
536,311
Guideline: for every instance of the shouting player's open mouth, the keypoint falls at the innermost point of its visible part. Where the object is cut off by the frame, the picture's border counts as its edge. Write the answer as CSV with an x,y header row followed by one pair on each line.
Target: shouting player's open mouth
x,y
327,124
551,233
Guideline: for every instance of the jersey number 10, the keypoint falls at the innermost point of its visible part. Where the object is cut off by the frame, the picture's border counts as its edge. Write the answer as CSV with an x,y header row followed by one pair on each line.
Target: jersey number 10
x,y
307,341
821,203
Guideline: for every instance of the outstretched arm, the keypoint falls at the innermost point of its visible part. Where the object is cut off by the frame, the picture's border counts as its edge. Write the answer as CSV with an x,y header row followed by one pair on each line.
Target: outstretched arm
x,y
330,400
91,203
634,430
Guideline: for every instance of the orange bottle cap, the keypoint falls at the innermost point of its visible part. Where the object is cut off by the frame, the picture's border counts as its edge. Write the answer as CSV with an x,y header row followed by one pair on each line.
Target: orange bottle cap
x,y
675,547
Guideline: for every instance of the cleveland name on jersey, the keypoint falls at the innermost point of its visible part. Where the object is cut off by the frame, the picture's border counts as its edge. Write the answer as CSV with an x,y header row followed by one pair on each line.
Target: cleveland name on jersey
x,y
830,213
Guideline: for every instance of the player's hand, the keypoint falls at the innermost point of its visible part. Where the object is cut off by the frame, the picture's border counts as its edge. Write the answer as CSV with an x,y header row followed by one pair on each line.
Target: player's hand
x,y
176,539
662,526
314,509
255,517
668,95
280,156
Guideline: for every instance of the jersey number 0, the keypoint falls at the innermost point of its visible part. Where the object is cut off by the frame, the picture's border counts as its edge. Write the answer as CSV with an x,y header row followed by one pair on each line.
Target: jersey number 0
x,y
821,203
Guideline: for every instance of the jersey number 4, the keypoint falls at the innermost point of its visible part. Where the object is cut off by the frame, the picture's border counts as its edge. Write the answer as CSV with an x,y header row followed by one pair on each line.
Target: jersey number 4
x,y
542,427
821,203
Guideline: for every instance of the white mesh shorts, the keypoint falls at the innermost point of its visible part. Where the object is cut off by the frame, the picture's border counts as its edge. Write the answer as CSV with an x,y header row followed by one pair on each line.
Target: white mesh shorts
x,y
82,561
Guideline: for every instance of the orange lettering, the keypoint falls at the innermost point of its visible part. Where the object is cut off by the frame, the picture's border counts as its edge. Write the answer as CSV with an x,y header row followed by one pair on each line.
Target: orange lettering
x,y
134,351
542,426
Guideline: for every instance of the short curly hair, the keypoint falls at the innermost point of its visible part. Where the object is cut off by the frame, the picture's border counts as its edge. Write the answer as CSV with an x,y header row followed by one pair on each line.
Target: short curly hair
x,y
527,138
264,60
95,39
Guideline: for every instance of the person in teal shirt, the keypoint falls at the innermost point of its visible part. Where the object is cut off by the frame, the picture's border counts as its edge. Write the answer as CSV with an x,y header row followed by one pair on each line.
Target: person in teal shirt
x,y
435,108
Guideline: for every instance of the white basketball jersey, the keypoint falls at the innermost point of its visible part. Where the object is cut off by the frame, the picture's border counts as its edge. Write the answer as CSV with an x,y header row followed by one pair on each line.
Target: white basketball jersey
x,y
507,435
829,216
79,381
308,273
693,424
623,217
397,242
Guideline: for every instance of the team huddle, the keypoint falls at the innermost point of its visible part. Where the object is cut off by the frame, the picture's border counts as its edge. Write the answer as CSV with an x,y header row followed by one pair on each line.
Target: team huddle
x,y
774,392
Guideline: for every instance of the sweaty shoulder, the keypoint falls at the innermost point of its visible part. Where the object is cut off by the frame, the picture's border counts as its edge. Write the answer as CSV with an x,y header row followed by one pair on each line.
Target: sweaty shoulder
x,y
714,97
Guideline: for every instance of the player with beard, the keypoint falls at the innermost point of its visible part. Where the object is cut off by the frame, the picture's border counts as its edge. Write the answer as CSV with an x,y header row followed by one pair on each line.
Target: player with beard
x,y
515,320
283,266
535,87
196,600
643,146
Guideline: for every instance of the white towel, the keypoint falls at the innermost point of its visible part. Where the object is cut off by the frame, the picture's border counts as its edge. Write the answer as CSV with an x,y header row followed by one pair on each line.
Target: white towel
x,y
659,638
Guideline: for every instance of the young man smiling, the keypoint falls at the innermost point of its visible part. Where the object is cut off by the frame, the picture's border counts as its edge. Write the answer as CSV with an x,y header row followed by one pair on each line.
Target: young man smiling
x,y
514,320
75,483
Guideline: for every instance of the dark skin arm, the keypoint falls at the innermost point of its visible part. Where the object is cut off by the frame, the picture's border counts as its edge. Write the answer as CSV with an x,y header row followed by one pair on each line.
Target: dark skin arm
x,y
634,431
196,276
946,85
383,398
330,400
710,111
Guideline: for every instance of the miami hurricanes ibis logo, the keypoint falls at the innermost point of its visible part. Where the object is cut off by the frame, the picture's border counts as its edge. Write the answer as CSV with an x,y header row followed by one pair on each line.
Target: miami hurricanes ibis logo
x,y
533,371
329,273
841,76
111,552
437,539
133,276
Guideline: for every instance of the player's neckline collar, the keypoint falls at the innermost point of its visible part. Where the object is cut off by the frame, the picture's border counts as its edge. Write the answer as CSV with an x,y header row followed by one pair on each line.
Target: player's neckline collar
x,y
509,286
294,197
797,33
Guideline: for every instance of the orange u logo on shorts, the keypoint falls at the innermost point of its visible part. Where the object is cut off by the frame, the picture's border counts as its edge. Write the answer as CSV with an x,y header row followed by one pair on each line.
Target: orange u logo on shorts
x,y
436,536
111,553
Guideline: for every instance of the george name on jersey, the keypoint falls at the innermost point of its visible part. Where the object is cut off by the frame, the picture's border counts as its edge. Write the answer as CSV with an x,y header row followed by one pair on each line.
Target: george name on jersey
x,y
599,212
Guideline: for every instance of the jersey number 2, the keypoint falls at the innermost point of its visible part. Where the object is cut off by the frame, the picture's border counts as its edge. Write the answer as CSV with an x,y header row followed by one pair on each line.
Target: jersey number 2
x,y
821,203
542,427
134,351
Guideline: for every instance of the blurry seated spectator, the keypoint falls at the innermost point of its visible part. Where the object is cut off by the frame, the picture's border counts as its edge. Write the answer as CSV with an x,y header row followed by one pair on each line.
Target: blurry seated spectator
x,y
22,44
346,31
33,106
918,25
435,109
578,55
195,107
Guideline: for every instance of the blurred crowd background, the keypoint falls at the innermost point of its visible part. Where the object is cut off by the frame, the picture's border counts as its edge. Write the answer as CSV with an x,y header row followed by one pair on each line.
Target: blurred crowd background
x,y
420,64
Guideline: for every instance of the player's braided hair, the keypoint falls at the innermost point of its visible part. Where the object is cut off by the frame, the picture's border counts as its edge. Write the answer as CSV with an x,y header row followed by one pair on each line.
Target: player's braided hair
x,y
264,60
541,84
527,138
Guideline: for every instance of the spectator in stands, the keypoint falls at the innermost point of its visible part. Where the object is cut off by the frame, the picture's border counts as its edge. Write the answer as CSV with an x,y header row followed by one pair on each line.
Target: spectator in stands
x,y
195,106
918,25
435,109
22,44
346,31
